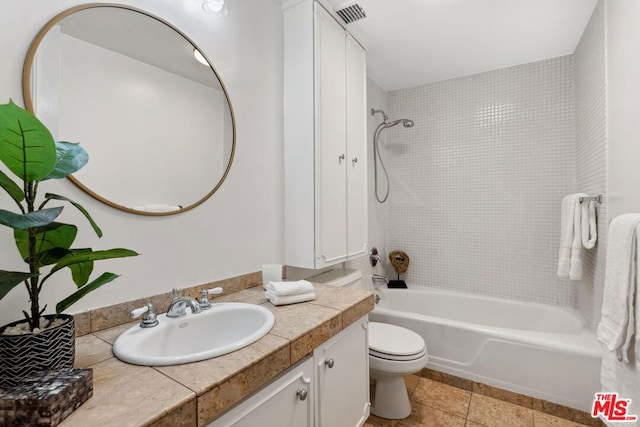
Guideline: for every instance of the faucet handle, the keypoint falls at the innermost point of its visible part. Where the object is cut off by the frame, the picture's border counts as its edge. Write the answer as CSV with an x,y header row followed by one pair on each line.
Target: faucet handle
x,y
138,312
149,320
204,300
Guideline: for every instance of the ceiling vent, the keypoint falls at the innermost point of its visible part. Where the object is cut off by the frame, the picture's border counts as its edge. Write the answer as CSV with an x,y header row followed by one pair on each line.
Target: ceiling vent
x,y
351,13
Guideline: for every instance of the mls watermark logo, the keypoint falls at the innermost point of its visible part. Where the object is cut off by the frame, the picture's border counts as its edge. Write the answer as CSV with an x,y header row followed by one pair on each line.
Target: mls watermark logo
x,y
612,408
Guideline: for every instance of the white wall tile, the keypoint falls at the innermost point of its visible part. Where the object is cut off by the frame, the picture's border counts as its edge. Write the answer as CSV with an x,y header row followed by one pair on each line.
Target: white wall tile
x,y
476,185
377,234
591,154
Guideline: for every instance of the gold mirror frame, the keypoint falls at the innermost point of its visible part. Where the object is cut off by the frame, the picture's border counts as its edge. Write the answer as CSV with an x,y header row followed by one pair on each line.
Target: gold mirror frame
x,y
26,90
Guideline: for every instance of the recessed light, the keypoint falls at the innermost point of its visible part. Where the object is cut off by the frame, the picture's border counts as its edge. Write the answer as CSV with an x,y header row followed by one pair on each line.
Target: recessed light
x,y
216,7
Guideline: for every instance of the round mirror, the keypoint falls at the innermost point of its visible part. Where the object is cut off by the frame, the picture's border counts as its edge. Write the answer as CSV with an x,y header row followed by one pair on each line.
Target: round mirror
x,y
157,122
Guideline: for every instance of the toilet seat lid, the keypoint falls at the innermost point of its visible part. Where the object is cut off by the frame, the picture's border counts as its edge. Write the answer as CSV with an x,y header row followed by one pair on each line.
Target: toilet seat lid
x,y
394,340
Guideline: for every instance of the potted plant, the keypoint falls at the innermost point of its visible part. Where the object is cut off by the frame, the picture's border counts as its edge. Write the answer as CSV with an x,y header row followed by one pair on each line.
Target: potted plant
x,y
28,150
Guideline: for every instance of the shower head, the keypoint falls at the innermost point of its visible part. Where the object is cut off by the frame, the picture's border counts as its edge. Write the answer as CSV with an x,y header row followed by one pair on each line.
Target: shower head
x,y
405,122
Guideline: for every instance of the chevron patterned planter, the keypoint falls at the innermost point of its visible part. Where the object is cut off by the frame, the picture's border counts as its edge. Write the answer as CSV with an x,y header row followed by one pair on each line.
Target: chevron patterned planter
x,y
22,356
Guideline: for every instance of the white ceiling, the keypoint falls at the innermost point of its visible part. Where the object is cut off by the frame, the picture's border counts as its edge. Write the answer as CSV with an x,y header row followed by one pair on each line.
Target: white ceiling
x,y
413,42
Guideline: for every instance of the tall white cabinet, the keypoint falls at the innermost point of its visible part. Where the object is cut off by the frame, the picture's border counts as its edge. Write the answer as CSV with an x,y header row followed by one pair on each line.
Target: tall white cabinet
x,y
325,138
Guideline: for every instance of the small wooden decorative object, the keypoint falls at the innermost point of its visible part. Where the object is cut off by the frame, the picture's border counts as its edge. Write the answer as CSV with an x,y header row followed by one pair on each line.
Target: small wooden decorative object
x,y
400,262
47,399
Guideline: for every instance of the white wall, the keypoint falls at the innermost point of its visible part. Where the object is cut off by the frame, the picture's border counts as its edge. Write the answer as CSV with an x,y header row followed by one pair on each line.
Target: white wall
x,y
240,227
623,151
623,108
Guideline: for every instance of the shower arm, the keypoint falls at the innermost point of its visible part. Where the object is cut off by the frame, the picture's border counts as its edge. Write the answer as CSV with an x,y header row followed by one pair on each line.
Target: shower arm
x,y
385,119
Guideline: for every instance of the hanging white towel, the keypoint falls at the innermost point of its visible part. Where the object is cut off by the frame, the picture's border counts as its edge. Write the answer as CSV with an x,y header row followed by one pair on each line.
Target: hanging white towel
x,y
618,323
588,224
569,257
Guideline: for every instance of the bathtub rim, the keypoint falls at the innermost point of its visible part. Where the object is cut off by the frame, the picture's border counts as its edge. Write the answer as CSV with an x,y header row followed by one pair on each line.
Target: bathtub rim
x,y
582,343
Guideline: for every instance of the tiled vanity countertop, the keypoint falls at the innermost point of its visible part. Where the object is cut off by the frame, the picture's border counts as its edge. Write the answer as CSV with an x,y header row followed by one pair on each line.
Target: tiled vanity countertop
x,y
194,394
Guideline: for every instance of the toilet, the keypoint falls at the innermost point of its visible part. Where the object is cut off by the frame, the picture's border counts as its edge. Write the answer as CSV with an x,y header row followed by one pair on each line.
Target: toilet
x,y
394,352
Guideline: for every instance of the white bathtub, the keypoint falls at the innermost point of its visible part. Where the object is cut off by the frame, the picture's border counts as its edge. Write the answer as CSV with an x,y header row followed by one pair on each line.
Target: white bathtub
x,y
538,350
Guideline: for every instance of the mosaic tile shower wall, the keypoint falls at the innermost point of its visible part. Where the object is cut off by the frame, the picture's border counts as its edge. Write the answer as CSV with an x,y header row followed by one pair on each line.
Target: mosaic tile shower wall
x,y
476,185
377,235
591,155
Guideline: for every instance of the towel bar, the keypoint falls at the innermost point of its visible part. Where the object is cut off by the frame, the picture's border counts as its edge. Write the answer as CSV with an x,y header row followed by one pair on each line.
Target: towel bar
x,y
597,199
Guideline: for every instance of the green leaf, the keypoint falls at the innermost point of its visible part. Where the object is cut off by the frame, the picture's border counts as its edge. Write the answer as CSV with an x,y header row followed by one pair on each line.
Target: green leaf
x,y
10,279
84,256
26,145
51,196
81,271
11,187
31,219
52,236
70,158
51,256
77,295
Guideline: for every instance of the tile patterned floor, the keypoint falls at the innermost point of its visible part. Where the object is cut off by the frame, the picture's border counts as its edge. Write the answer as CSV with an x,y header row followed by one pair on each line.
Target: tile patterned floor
x,y
435,404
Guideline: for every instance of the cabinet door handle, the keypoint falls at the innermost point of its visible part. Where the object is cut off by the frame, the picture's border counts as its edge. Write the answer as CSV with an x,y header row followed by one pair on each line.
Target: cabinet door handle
x,y
340,158
329,363
302,394
354,161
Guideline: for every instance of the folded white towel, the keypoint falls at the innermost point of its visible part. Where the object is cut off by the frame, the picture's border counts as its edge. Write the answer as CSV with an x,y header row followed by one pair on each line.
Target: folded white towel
x,y
588,224
289,288
618,322
569,257
289,299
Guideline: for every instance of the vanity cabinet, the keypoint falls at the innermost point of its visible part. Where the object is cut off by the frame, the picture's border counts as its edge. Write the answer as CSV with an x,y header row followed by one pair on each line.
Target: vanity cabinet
x,y
328,388
286,402
342,378
324,138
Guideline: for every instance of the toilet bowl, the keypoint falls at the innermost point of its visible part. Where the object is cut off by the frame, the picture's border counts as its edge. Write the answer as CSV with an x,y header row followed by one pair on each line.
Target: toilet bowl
x,y
394,352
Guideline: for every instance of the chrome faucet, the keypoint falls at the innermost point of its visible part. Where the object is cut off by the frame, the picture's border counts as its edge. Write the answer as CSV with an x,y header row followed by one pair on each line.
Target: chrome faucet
x,y
378,278
178,306
149,317
204,302
375,258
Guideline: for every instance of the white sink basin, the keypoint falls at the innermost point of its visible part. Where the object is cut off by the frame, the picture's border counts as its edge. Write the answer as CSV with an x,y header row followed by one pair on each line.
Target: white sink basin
x,y
224,328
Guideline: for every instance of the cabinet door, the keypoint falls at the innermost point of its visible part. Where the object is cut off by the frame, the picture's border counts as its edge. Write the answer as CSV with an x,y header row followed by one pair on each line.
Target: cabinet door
x,y
356,62
331,157
342,378
282,403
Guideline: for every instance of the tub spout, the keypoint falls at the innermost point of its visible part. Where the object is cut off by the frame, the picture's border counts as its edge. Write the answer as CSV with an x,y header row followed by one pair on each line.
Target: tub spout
x,y
377,278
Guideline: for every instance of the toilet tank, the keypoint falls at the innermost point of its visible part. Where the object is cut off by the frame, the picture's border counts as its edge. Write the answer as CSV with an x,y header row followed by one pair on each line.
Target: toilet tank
x,y
340,277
